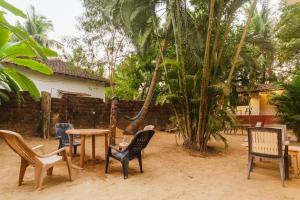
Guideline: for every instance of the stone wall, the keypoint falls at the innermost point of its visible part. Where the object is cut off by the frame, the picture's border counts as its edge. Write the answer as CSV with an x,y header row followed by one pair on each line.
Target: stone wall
x,y
83,112
24,116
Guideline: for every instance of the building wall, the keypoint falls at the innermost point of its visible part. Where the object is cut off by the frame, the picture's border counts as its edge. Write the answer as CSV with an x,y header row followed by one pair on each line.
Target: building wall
x,y
260,105
254,105
266,108
57,82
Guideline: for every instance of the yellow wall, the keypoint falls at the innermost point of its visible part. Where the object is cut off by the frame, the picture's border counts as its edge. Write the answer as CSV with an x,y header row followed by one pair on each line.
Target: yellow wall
x,y
254,105
259,104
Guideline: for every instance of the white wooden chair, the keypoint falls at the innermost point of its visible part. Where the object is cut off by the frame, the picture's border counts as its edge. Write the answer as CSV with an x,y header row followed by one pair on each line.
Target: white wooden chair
x,y
283,129
266,143
41,163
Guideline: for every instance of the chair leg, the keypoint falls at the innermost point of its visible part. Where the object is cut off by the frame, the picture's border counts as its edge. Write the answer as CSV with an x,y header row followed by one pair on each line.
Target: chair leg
x,y
75,150
39,170
23,167
281,167
125,166
250,165
107,159
106,163
68,162
140,162
50,171
297,166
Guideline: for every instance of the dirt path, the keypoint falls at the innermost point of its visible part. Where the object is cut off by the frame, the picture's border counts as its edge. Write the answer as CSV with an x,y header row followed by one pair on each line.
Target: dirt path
x,y
169,173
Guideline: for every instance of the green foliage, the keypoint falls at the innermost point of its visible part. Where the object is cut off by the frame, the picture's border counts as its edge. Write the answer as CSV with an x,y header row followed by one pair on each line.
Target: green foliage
x,y
136,18
7,6
22,53
288,104
32,64
132,78
288,33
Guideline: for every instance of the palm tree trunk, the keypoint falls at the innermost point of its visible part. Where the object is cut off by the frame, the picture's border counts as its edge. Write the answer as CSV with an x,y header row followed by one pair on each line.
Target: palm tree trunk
x,y
203,114
134,126
183,71
213,60
237,54
235,59
224,39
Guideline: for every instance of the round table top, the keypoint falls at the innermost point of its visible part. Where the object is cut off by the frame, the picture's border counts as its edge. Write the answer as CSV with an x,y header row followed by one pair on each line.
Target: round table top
x,y
88,131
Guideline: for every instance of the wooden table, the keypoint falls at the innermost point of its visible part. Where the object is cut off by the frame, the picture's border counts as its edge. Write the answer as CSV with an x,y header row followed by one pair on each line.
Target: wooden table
x,y
294,150
83,133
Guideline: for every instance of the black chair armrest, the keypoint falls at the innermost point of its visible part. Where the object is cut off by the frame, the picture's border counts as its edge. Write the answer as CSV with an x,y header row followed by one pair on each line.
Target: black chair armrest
x,y
116,148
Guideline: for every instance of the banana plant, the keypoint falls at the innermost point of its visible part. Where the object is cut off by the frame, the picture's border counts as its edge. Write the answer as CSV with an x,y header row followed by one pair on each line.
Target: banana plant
x,y
24,53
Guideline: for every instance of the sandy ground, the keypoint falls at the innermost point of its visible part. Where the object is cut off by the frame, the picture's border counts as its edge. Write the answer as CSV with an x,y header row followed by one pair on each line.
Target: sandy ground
x,y
170,172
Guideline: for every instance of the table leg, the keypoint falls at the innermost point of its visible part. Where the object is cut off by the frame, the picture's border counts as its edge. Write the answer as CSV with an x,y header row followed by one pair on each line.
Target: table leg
x,y
286,161
82,152
71,146
106,144
93,146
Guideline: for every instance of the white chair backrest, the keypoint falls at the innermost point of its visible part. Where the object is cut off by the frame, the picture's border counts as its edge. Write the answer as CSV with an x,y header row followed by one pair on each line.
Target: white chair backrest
x,y
283,129
258,124
265,141
16,143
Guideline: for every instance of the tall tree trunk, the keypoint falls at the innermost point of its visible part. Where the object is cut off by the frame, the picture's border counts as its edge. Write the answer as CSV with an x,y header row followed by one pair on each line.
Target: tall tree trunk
x,y
237,54
222,45
134,126
213,60
180,58
203,114
111,83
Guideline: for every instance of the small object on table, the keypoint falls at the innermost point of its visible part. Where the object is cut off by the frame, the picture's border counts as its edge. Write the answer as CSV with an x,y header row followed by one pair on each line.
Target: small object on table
x,y
83,133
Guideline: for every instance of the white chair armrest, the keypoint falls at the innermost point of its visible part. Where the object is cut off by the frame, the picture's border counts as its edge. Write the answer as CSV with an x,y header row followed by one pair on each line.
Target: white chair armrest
x,y
39,147
54,153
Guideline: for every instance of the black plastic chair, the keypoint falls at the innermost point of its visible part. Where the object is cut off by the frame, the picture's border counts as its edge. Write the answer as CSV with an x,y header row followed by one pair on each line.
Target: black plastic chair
x,y
133,150
60,133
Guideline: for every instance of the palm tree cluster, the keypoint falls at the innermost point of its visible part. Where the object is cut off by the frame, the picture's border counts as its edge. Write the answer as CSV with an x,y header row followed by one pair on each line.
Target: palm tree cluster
x,y
201,51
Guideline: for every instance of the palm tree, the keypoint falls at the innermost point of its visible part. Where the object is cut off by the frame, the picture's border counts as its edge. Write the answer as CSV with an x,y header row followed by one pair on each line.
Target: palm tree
x,y
139,20
38,26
